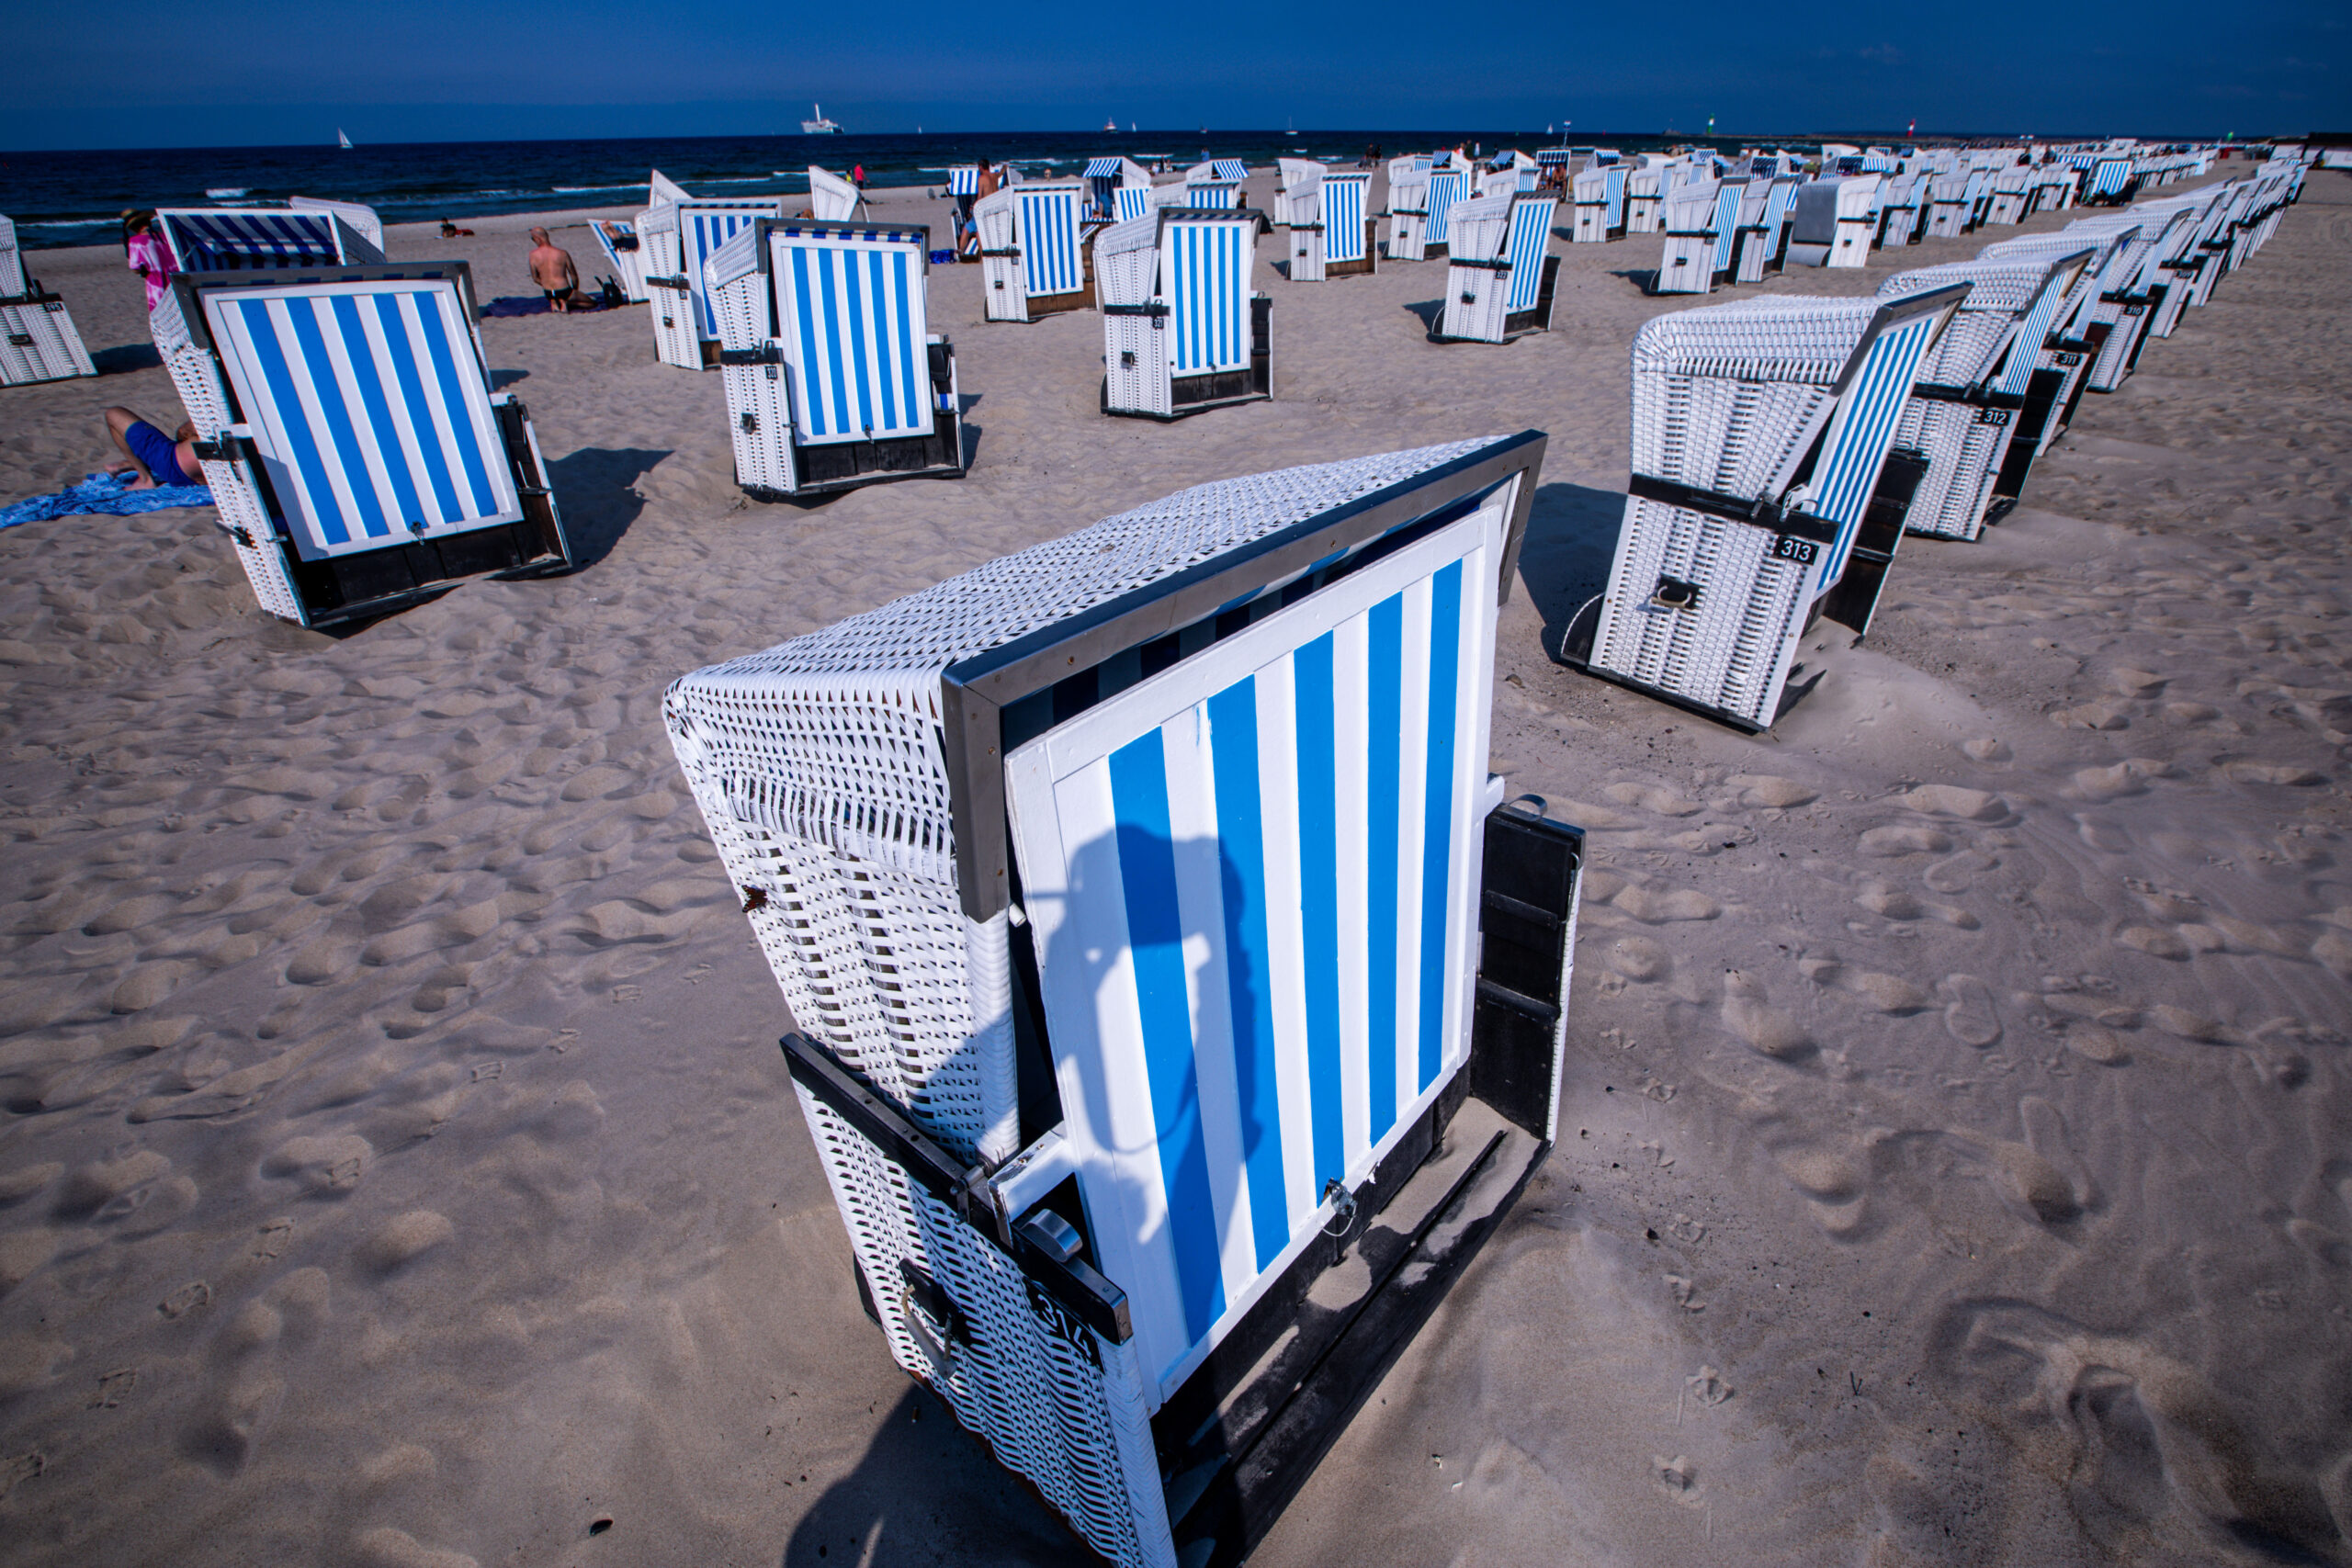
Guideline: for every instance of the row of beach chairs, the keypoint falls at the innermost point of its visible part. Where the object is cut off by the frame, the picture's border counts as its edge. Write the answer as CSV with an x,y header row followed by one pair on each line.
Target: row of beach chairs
x,y
1145,1028
1178,1003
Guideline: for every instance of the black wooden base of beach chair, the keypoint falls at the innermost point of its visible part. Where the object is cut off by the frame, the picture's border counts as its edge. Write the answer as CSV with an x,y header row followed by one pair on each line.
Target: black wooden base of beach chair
x,y
828,470
343,589
2024,441
1855,599
1248,1427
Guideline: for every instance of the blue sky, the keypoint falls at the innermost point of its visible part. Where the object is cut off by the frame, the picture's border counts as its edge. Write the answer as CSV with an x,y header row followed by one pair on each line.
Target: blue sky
x,y
143,74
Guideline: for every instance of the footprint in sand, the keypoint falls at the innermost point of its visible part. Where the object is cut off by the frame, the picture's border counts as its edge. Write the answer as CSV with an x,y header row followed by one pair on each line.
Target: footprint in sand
x,y
1638,957
1770,791
405,1238
1896,904
1985,749
1901,839
1683,1293
1969,1013
2147,1436
387,1548
1887,993
1677,1480
1764,1028
1953,800
1706,1387
327,1167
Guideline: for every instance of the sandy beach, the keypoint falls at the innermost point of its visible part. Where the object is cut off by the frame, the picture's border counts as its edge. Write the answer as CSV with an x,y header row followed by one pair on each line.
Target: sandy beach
x,y
397,1168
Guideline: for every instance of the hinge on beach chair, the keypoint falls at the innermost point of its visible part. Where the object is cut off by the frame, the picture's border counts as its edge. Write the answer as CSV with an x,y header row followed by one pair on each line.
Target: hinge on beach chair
x,y
766,353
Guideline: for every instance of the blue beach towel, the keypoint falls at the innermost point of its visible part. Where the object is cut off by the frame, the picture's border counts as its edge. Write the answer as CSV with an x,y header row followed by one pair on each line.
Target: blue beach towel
x,y
103,493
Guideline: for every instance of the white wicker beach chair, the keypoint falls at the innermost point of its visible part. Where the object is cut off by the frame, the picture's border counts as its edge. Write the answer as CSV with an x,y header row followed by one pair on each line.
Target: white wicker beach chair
x,y
1898,216
1831,224
1182,330
38,339
1686,265
1298,206
1764,228
623,253
1599,192
1645,192
1448,189
676,236
1409,207
2129,308
834,375
1124,1009
347,429
1972,385
832,198
1763,493
1033,261
2011,194
1947,207
1499,277
2073,341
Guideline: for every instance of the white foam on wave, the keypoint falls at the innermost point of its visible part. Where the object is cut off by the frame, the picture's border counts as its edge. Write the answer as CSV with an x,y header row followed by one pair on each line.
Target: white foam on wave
x,y
219,193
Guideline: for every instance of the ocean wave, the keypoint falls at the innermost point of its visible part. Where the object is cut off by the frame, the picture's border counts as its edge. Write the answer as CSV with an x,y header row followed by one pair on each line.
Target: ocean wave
x,y
221,193
577,190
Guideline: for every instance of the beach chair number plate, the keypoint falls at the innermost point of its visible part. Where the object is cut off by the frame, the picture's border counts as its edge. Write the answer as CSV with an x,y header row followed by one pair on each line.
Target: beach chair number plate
x,y
1789,547
1993,416
1250,881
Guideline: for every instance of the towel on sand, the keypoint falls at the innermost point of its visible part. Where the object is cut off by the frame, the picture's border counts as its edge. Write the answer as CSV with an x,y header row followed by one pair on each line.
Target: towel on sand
x,y
103,493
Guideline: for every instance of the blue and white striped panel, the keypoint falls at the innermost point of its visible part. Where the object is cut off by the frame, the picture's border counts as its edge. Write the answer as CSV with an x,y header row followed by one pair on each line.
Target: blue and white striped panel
x,y
1250,880
1049,239
231,242
1104,168
1204,270
1727,200
2111,178
1343,217
701,231
1616,196
1446,190
1217,196
853,322
964,180
1530,236
1854,449
1134,201
2025,348
371,408
1232,169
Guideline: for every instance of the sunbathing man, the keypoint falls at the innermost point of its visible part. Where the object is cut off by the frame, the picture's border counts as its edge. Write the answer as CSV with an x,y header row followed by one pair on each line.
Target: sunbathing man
x,y
552,270
157,458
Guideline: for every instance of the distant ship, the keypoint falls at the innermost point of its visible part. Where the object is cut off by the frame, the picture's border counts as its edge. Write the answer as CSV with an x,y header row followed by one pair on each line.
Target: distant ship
x,y
1110,126
820,126
341,140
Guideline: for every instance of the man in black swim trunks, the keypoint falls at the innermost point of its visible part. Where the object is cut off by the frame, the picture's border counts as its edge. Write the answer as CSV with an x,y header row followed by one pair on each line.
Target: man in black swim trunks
x,y
552,270
157,458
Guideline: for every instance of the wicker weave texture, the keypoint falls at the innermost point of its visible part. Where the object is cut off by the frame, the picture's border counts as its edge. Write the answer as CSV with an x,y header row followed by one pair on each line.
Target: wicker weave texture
x,y
1729,650
1964,446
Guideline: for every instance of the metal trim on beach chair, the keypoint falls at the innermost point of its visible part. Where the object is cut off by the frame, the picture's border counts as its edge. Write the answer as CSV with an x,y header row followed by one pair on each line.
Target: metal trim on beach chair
x,y
348,430
1763,493
1182,330
1499,279
1155,1253
833,377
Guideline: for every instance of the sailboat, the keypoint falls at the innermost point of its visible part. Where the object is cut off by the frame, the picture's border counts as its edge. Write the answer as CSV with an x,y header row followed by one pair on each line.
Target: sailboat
x,y
341,140
820,126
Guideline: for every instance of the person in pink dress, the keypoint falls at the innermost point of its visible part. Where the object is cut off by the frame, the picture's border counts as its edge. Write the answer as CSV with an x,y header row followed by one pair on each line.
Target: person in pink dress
x,y
149,255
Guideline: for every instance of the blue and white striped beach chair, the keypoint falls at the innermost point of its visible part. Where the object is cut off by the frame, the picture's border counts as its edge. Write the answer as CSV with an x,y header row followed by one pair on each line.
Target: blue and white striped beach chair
x,y
1762,482
1106,178
1763,228
1348,245
1686,263
1448,189
357,456
1499,277
2073,344
1033,251
625,254
38,338
1965,412
1599,192
2111,182
1182,329
1154,938
834,375
1132,202
964,179
226,239
677,238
